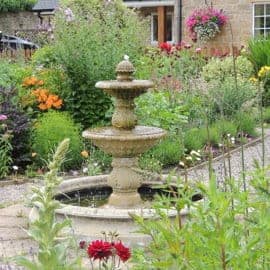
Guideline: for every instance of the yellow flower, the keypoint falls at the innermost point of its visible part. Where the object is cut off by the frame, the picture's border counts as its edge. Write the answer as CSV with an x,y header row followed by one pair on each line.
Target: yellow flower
x,y
85,154
264,71
253,80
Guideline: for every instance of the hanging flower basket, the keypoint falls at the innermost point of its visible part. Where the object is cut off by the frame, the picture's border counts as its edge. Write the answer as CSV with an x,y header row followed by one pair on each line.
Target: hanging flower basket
x,y
205,24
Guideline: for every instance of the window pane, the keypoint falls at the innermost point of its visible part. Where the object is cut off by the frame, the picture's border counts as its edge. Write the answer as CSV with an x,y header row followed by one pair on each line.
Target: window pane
x,y
259,10
258,32
259,22
155,28
267,31
268,9
169,23
267,22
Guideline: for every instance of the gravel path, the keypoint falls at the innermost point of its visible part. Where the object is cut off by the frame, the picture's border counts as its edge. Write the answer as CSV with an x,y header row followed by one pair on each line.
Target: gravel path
x,y
14,193
252,153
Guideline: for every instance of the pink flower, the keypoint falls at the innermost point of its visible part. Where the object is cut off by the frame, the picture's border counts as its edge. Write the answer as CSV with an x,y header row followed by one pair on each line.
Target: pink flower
x,y
3,117
187,46
198,50
201,17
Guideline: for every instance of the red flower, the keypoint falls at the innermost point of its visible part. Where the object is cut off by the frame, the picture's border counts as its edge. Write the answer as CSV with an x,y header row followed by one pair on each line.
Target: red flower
x,y
82,244
99,250
122,251
165,46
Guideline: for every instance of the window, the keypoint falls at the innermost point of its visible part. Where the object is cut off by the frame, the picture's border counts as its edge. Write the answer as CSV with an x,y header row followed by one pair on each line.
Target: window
x,y
154,28
168,27
261,21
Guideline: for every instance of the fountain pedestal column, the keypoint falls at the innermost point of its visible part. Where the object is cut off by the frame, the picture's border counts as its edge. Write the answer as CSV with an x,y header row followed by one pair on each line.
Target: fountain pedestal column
x,y
125,181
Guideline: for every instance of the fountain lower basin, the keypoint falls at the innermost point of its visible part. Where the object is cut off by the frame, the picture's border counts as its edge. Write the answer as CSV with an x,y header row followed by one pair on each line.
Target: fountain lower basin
x,y
88,223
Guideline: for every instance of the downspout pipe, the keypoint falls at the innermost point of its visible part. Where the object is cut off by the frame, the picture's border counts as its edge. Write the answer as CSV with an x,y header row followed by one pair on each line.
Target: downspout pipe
x,y
181,19
178,21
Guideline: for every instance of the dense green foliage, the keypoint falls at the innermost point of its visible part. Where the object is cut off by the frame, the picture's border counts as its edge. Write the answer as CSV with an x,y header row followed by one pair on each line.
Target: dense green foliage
x,y
50,129
88,45
220,69
246,123
218,233
258,53
5,150
161,109
167,152
16,5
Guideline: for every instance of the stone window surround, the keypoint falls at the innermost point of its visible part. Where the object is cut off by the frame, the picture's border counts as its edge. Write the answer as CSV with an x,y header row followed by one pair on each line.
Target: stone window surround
x,y
256,2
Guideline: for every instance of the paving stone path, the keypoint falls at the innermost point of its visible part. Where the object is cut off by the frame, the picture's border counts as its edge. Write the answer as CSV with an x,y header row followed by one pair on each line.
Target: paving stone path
x,y
14,214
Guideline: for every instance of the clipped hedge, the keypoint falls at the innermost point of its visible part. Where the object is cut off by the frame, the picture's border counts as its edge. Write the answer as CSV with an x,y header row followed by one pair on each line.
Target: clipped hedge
x,y
16,5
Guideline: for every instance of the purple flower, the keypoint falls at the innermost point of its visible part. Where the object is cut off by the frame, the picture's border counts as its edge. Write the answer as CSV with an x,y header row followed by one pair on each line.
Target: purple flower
x,y
3,117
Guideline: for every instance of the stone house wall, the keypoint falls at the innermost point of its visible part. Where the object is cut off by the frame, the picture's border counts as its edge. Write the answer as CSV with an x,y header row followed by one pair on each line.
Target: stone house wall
x,y
10,22
239,29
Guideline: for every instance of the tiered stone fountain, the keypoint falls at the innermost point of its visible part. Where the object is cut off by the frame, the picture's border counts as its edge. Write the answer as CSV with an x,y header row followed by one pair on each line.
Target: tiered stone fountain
x,y
125,141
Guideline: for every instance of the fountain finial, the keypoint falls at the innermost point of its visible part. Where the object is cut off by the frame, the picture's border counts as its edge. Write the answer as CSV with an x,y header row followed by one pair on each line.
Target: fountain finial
x,y
125,70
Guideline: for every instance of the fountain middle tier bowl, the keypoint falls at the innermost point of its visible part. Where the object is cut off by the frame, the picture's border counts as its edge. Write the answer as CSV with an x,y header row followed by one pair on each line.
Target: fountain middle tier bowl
x,y
125,143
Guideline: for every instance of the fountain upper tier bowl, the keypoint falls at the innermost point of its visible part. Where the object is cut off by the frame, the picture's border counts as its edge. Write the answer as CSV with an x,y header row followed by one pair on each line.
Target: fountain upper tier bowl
x,y
125,143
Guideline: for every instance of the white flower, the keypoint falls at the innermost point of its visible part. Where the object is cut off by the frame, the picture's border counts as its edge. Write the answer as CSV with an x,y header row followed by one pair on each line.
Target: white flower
x,y
220,145
194,153
182,164
15,168
85,170
126,57
189,158
233,140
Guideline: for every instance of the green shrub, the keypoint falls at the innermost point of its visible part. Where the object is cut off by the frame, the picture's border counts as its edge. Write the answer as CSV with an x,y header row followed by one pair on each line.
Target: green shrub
x,y
225,127
168,152
193,139
101,158
51,128
89,47
5,150
196,138
246,123
220,69
214,135
266,115
149,163
16,5
45,56
161,109
226,99
258,53
11,74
